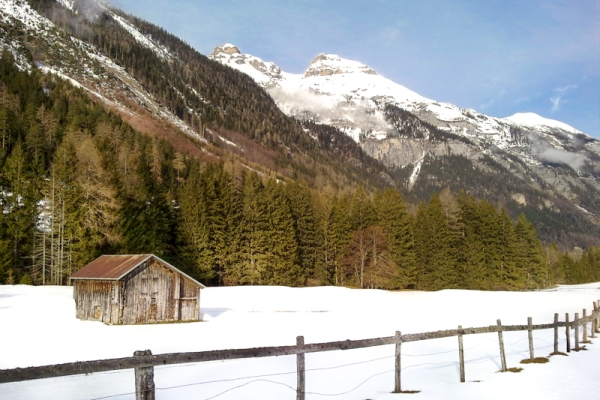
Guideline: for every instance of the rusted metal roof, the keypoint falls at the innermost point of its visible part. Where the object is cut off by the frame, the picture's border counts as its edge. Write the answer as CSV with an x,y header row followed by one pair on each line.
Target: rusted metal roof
x,y
115,267
112,267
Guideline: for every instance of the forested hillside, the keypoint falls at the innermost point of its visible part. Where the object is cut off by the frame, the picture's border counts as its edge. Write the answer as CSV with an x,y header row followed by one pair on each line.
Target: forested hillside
x,y
209,97
77,182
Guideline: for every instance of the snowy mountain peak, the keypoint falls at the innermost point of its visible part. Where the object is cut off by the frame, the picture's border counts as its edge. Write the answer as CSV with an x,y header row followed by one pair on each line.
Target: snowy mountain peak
x,y
227,48
263,72
330,64
533,120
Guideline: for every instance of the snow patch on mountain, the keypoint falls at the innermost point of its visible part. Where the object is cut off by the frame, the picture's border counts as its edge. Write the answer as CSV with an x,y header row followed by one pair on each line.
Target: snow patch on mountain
x,y
142,39
533,120
67,3
416,171
330,64
264,73
21,11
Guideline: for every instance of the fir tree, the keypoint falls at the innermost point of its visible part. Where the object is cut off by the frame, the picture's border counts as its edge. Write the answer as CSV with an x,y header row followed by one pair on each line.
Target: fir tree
x,y
396,223
195,250
310,247
252,267
529,253
281,251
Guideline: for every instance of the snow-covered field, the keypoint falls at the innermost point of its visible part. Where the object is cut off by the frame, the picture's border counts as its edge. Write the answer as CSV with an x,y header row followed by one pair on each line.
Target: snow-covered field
x,y
38,327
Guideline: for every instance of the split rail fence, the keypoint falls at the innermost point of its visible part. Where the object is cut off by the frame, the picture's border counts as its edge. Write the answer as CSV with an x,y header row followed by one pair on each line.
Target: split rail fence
x,y
143,362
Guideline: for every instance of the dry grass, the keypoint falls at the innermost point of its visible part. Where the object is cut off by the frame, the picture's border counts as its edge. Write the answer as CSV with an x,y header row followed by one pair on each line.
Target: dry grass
x,y
536,360
581,348
558,353
513,369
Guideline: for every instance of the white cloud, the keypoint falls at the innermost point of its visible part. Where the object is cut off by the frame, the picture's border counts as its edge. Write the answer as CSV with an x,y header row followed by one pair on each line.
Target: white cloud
x,y
557,155
557,100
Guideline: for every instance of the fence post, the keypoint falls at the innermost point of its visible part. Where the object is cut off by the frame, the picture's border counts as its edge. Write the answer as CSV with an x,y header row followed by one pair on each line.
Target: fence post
x,y
398,352
501,340
593,322
461,354
576,327
585,337
144,378
301,385
568,332
556,333
530,336
597,323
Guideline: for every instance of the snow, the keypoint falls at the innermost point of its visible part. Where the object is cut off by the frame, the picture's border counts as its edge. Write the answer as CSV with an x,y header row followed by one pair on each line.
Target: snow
x,y
48,70
343,93
44,330
583,209
336,65
263,73
534,120
416,171
351,96
67,3
160,51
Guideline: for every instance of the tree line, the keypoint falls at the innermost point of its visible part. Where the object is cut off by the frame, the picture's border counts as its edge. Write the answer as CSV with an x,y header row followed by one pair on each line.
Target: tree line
x,y
77,182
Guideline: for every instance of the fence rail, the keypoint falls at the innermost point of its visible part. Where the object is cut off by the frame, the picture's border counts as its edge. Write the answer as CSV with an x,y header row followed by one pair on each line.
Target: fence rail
x,y
144,361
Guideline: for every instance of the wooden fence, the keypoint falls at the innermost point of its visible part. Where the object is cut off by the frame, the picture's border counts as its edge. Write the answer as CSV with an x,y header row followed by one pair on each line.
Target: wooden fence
x,y
143,362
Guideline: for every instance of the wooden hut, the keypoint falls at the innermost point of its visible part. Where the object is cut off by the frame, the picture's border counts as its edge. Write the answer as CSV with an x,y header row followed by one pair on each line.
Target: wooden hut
x,y
135,289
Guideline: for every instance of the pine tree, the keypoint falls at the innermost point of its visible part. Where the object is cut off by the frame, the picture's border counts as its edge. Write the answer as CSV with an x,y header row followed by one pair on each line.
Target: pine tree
x,y
303,210
529,253
456,225
252,266
421,246
147,218
509,275
195,250
19,212
433,247
339,232
490,234
443,273
281,251
396,223
362,210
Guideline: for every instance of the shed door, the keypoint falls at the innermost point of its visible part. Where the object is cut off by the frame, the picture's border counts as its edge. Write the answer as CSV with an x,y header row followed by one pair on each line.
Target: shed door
x,y
152,296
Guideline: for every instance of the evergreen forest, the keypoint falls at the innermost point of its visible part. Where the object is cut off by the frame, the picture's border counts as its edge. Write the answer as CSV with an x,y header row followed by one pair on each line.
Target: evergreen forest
x,y
76,181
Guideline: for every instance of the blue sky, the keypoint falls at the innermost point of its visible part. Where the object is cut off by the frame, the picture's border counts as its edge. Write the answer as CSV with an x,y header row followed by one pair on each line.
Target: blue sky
x,y
498,57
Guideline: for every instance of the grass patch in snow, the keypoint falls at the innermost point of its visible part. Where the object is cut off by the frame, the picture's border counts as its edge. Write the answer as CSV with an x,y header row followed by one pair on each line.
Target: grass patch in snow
x,y
513,369
536,360
558,353
579,349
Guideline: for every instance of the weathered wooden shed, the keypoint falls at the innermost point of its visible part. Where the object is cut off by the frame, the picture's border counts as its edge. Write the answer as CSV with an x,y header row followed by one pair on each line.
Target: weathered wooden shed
x,y
135,289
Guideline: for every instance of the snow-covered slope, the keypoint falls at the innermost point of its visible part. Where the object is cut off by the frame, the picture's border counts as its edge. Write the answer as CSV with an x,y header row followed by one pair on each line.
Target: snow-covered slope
x,y
352,96
533,120
40,328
